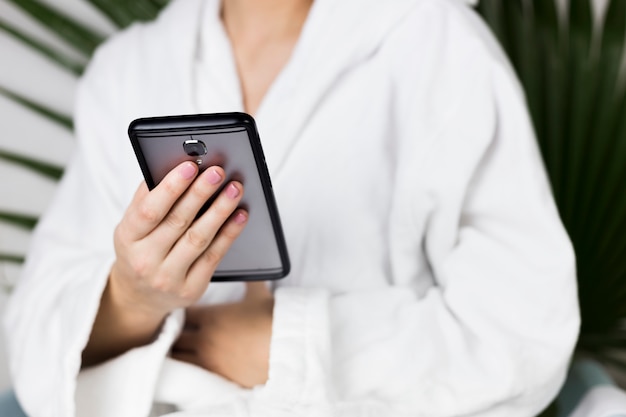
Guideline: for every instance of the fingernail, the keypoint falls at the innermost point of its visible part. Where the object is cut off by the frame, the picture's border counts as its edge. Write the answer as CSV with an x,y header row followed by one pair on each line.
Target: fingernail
x,y
232,191
188,170
240,218
213,176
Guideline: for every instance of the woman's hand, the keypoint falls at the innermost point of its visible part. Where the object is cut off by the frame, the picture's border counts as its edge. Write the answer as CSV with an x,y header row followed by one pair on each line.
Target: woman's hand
x,y
165,257
232,340
165,260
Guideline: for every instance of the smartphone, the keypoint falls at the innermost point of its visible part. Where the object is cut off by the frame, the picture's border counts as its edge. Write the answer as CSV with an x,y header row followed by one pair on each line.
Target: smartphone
x,y
231,141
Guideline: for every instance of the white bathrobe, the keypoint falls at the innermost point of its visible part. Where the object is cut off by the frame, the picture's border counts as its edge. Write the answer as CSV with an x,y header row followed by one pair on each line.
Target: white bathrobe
x,y
431,275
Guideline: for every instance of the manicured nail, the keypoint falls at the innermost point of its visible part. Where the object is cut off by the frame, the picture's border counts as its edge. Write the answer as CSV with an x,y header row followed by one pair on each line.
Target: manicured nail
x,y
240,218
188,170
213,176
232,191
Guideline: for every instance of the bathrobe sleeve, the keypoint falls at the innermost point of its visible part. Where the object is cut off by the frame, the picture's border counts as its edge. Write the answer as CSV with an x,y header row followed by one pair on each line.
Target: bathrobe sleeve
x,y
52,310
493,334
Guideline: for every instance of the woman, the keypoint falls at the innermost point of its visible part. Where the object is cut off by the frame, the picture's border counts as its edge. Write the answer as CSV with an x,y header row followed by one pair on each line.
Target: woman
x,y
430,272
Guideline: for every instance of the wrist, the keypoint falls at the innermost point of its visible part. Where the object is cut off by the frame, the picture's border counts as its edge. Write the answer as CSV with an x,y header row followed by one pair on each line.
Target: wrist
x,y
131,312
120,325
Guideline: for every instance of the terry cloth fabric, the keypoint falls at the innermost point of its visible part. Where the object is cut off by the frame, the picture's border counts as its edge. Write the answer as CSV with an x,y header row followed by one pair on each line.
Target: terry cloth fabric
x,y
430,273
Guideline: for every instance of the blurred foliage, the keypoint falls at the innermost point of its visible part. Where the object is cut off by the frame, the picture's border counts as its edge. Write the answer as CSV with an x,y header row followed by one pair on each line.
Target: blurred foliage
x,y
571,71
83,40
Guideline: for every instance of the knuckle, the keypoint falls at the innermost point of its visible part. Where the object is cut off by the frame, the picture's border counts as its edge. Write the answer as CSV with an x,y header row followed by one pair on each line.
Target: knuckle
x,y
162,283
199,192
170,187
140,267
212,257
176,221
197,239
188,296
223,209
148,214
231,233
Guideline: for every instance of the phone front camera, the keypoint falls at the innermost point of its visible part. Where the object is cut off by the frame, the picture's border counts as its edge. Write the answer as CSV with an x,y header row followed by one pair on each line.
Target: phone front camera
x,y
194,147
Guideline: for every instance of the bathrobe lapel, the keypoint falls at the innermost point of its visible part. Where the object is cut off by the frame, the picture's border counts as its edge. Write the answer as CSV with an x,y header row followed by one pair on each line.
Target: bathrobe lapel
x,y
328,48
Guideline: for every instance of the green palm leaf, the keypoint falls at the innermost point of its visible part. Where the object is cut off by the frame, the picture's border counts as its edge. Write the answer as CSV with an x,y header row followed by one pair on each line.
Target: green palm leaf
x,y
21,220
550,97
122,13
493,13
56,57
81,38
14,259
571,75
74,33
43,168
54,116
608,115
583,83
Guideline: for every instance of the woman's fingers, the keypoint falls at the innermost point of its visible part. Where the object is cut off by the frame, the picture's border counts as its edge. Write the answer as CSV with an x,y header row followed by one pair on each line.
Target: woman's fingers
x,y
203,233
148,209
160,245
176,223
205,265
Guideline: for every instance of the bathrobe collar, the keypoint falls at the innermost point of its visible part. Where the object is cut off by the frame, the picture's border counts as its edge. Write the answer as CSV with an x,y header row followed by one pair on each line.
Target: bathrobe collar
x,y
327,48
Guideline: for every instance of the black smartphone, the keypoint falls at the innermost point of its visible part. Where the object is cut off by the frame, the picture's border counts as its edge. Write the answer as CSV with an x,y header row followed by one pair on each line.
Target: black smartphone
x,y
231,141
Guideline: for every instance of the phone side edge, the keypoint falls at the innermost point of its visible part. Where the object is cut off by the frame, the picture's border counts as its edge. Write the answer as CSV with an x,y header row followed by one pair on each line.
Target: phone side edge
x,y
270,199
143,164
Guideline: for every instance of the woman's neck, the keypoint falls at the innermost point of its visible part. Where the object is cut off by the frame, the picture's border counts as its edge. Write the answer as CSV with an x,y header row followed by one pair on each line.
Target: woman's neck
x,y
262,34
259,21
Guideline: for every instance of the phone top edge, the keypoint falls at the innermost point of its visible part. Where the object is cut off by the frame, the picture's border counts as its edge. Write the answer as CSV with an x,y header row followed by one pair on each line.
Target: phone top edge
x,y
190,121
